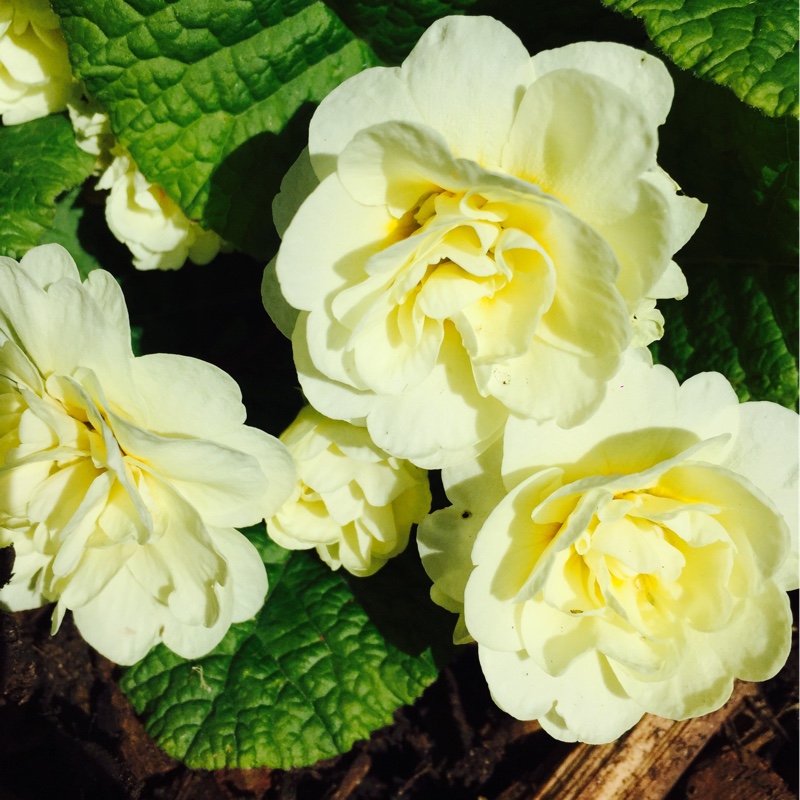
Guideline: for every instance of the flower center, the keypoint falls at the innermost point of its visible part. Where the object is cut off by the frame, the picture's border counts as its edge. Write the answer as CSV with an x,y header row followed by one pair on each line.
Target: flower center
x,y
468,258
632,559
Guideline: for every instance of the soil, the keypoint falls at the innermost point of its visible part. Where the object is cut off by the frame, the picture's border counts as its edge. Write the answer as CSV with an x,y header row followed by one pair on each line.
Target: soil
x,y
67,732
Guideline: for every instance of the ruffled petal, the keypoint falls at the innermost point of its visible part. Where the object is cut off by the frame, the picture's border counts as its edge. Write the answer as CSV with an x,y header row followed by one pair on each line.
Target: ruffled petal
x,y
441,420
226,486
471,101
248,576
345,234
585,704
764,452
201,399
369,98
638,74
123,621
584,141
701,684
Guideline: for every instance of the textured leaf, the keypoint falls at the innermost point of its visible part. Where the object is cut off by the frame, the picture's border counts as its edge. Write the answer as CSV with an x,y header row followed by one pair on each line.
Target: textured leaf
x,y
740,317
38,162
64,231
743,164
203,94
392,27
747,45
301,682
740,321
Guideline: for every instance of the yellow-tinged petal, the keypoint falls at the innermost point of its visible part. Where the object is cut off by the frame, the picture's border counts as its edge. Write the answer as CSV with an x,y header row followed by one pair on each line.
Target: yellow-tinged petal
x,y
521,205
638,74
121,477
625,555
352,501
471,68
583,140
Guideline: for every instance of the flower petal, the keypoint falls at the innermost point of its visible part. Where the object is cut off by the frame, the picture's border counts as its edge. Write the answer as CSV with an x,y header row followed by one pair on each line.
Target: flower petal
x,y
549,383
587,703
445,539
200,399
334,398
584,141
441,420
296,186
346,233
774,470
248,576
506,551
369,98
638,74
122,622
471,101
226,486
280,312
701,684
24,590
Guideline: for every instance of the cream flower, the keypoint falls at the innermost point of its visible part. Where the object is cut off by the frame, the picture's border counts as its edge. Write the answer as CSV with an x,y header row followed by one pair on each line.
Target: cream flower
x,y
139,213
93,132
148,222
485,232
636,564
122,478
35,73
352,501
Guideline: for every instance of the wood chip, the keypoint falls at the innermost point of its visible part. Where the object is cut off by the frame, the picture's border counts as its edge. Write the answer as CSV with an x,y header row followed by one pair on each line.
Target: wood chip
x,y
645,764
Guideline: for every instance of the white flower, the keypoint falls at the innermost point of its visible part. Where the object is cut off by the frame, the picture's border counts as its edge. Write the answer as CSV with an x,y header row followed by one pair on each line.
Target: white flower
x,y
636,564
139,213
148,222
35,73
122,478
93,132
483,231
352,501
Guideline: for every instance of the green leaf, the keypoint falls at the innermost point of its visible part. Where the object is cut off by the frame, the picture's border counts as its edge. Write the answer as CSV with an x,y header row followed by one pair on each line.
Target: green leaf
x,y
212,98
305,679
740,317
740,320
392,27
742,164
38,162
76,227
64,231
749,46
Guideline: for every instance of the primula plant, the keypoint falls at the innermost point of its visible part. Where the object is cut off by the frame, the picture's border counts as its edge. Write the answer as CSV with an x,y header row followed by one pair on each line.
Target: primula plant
x,y
547,249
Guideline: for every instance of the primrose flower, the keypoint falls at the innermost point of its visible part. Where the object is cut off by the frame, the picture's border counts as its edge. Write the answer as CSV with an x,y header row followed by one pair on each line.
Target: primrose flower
x,y
352,501
151,225
93,132
478,232
636,564
35,73
122,478
139,213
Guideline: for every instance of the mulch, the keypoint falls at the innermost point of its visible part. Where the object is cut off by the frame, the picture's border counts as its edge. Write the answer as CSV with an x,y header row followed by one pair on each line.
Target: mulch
x,y
67,731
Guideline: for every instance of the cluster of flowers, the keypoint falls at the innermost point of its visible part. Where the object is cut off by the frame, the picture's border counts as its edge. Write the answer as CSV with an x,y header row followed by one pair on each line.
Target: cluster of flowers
x,y
35,80
472,250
